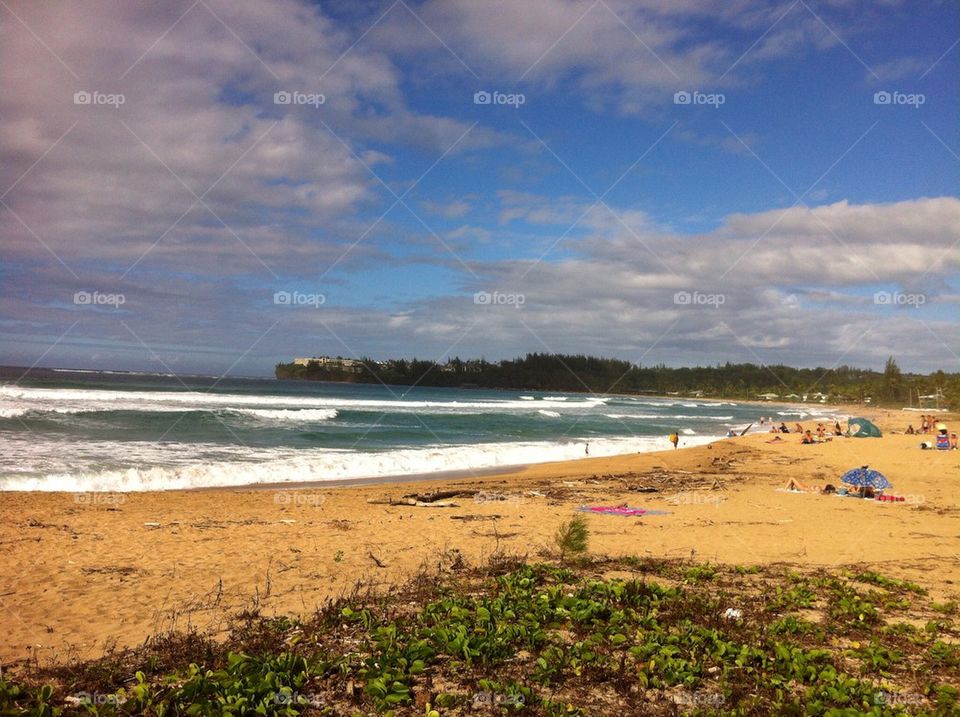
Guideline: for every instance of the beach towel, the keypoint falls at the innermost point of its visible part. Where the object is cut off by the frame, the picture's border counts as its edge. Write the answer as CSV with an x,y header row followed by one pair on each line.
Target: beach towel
x,y
623,510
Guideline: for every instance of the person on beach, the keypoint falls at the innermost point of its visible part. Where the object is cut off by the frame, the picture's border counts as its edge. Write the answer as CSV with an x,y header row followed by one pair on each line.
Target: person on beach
x,y
795,486
910,430
783,428
821,431
586,449
797,428
807,438
943,440
674,438
953,441
837,431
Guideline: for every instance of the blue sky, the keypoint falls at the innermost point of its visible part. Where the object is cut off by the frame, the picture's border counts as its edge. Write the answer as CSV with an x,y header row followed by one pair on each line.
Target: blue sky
x,y
156,230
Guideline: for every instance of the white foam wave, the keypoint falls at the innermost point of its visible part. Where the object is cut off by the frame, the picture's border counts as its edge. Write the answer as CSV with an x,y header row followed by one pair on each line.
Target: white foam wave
x,y
253,466
549,414
707,418
634,415
296,415
303,414
16,397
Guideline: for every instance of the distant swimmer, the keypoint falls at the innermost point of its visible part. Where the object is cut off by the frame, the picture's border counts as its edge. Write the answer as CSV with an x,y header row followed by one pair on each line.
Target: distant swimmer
x,y
586,449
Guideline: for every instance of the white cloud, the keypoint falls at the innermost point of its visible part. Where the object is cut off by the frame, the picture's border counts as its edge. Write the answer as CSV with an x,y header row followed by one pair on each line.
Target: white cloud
x,y
198,118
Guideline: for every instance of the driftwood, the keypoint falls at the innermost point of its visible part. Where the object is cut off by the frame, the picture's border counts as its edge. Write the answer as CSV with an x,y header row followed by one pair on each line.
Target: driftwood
x,y
413,501
438,495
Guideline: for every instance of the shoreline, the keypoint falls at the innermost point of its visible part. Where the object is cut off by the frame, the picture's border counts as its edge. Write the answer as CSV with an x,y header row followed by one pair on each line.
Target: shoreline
x,y
460,473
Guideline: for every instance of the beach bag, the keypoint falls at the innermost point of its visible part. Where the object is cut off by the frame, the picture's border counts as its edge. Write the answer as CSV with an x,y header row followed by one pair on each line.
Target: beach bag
x,y
943,442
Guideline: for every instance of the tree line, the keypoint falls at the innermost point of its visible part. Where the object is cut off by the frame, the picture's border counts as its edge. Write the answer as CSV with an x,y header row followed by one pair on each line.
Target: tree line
x,y
577,372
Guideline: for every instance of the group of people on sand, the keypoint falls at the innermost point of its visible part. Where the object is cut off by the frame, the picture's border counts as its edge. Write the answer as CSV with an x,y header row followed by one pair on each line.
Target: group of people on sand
x,y
808,436
928,424
944,439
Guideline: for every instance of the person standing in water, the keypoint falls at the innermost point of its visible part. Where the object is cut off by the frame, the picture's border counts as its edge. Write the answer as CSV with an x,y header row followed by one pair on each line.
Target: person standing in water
x,y
674,439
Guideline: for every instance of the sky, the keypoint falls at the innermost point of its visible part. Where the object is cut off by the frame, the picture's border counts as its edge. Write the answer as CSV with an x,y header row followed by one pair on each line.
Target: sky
x,y
214,187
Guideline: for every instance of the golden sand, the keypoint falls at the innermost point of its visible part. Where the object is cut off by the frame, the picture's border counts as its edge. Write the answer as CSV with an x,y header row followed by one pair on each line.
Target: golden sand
x,y
83,573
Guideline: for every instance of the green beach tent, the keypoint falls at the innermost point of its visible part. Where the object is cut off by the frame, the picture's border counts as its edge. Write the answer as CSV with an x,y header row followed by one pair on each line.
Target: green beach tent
x,y
862,428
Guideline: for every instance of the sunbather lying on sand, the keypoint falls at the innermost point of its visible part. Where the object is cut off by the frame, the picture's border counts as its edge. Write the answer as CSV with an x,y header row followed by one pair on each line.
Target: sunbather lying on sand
x,y
796,486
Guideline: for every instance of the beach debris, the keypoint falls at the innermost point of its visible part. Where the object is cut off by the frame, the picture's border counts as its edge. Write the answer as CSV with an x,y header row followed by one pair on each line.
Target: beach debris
x,y
434,496
434,499
472,517
487,497
375,559
121,570
732,613
451,559
493,534
413,502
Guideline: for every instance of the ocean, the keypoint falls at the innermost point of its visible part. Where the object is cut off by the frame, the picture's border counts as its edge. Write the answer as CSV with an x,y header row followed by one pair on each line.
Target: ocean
x,y
79,431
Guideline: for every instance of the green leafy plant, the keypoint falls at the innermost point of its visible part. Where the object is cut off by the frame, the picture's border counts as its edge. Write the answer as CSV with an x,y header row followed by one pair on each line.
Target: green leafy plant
x,y
542,639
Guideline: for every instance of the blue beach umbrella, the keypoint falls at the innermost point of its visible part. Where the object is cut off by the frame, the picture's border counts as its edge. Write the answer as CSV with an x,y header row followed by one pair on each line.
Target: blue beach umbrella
x,y
864,476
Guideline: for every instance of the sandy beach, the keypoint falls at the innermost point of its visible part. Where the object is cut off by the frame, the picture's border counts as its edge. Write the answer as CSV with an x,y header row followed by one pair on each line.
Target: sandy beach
x,y
85,572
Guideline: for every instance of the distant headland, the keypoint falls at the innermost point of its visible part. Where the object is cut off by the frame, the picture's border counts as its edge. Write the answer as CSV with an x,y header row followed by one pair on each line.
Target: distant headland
x,y
579,373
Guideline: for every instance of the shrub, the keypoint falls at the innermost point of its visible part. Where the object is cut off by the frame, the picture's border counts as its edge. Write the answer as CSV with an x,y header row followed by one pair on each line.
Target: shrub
x,y
572,537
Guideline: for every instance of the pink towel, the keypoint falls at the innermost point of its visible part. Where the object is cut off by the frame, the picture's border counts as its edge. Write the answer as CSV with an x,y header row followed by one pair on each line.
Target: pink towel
x,y
619,510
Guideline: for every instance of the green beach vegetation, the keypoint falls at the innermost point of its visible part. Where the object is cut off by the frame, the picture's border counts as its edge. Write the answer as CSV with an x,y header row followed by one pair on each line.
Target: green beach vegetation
x,y
625,636
573,373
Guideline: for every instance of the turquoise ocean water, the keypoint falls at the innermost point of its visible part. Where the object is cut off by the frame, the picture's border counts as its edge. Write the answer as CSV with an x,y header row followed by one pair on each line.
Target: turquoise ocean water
x,y
90,431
